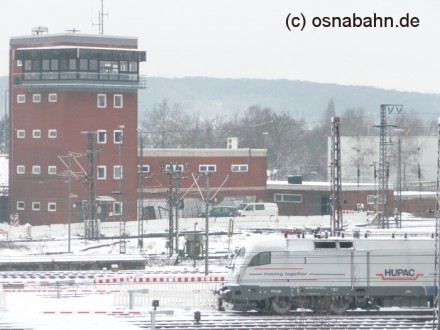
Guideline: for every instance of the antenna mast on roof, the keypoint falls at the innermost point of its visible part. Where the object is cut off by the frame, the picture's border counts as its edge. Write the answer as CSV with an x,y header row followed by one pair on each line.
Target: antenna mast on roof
x,y
101,18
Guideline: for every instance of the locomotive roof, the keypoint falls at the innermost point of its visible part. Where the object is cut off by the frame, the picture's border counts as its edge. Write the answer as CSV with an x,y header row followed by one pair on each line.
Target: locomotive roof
x,y
311,243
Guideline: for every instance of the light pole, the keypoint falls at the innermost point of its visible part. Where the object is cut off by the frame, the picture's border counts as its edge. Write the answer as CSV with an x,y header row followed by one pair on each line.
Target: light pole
x,y
194,238
265,135
207,222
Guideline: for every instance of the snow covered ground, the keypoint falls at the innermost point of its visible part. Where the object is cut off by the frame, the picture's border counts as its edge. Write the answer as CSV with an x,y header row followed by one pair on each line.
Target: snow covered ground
x,y
54,239
80,311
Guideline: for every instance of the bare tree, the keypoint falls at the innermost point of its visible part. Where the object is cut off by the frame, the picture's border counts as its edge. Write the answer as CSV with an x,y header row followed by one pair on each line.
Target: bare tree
x,y
287,152
255,122
354,122
165,126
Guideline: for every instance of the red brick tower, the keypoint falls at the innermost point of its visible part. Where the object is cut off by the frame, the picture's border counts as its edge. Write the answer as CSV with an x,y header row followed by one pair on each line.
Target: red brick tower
x,y
73,94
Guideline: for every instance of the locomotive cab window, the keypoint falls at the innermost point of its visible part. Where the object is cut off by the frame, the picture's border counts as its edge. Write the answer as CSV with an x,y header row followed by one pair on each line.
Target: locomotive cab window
x,y
262,258
325,245
345,245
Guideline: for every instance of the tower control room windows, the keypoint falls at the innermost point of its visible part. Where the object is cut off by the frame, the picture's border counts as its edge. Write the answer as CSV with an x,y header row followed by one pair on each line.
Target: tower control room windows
x,y
72,64
81,63
123,66
108,70
45,65
93,65
54,64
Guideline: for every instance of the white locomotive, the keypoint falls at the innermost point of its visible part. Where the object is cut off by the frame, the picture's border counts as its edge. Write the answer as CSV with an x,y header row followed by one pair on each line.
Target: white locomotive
x,y
330,274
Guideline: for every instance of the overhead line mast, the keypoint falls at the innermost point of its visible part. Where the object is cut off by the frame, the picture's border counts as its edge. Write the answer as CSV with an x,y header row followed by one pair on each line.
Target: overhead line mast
x,y
384,162
335,177
436,293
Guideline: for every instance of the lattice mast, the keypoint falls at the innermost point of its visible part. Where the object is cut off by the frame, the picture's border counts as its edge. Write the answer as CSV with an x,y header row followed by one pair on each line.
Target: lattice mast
x,y
436,324
335,177
90,224
384,163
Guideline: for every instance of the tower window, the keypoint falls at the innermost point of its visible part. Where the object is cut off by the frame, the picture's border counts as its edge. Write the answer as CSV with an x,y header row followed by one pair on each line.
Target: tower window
x,y
36,169
51,207
117,138
102,100
144,168
52,97
36,133
118,101
117,208
21,134
21,98
52,169
21,169
36,98
117,172
35,206
20,205
102,136
102,172
52,134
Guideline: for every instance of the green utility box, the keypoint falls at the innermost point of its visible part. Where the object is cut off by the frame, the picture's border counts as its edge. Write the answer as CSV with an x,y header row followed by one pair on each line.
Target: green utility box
x,y
193,245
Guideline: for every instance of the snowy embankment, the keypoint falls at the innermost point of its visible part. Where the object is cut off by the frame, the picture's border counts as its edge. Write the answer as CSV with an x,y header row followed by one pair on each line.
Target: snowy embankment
x,y
54,238
112,229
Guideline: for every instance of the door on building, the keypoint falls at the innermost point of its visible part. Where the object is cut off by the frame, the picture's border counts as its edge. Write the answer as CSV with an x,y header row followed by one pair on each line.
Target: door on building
x,y
320,205
81,209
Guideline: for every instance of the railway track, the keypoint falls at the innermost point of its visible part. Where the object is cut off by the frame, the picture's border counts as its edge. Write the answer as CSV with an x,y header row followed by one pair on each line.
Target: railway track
x,y
211,320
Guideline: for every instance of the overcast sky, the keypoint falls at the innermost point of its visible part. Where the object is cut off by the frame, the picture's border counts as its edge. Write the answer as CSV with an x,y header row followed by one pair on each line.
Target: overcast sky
x,y
249,38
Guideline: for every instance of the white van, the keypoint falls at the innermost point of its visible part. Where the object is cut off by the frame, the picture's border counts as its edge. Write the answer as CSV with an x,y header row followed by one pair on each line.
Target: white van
x,y
251,209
